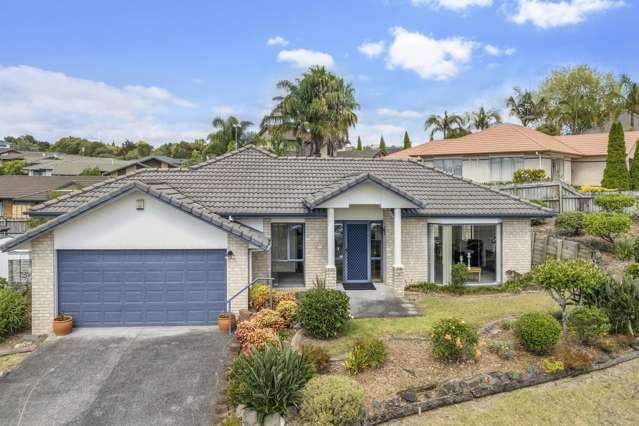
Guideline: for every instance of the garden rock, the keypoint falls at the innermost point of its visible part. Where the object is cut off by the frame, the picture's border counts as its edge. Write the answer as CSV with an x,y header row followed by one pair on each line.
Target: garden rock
x,y
408,395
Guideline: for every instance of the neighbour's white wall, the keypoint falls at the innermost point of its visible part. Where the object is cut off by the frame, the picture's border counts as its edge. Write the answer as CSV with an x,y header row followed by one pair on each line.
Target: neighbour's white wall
x,y
568,171
120,226
588,171
477,169
368,193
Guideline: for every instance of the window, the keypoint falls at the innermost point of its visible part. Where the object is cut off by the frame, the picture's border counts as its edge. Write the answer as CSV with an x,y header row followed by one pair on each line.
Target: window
x,y
287,254
339,251
502,168
450,165
377,249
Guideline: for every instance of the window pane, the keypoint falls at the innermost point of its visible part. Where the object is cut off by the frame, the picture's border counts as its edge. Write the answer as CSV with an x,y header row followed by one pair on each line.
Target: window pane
x,y
279,241
376,240
458,166
376,270
495,169
296,242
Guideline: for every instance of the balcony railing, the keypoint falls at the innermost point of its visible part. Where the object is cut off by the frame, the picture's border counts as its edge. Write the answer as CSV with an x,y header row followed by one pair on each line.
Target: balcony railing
x,y
11,226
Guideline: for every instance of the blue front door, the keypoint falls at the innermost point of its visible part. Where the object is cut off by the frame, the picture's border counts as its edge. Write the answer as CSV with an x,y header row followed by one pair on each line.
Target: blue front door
x,y
357,264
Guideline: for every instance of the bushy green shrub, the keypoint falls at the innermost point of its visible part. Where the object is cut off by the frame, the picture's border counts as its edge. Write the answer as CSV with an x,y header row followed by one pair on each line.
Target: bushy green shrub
x,y
632,271
569,223
607,226
323,313
620,302
332,400
268,380
458,275
13,312
3,283
519,282
614,202
529,175
616,173
454,340
367,352
635,249
318,356
588,323
624,249
538,332
502,349
288,310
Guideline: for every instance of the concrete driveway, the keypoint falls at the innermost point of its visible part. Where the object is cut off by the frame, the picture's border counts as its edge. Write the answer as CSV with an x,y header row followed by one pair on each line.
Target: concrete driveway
x,y
118,376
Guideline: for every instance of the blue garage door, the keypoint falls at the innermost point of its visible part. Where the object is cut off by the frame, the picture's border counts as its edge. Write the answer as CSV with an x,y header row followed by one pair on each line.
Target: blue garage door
x,y
142,287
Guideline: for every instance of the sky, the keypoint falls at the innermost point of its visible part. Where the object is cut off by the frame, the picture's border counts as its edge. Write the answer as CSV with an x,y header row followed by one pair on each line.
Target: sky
x,y
161,70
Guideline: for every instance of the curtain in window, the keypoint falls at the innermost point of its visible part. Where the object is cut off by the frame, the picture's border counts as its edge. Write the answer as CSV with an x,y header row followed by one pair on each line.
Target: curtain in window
x,y
279,240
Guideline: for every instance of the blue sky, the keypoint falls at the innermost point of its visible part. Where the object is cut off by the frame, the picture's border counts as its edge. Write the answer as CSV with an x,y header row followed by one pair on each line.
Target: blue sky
x,y
160,70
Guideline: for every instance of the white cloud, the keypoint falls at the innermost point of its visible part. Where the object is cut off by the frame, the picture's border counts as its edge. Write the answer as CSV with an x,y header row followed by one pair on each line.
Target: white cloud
x,y
389,112
277,41
52,104
456,5
371,49
496,51
430,58
550,14
370,133
304,58
224,110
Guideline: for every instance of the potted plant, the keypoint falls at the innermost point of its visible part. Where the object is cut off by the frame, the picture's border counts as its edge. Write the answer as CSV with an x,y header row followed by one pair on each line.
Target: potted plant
x,y
226,320
62,324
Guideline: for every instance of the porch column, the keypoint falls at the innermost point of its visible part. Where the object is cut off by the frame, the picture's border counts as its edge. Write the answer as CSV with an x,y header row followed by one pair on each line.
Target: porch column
x,y
398,268
331,274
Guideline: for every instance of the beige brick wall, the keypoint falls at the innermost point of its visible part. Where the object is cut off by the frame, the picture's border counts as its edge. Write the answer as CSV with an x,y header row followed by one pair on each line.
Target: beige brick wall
x,y
43,283
414,249
315,249
261,261
237,272
388,246
516,243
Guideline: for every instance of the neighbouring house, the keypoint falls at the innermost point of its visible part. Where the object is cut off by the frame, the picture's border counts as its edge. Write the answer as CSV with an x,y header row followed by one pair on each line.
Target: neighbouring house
x,y
173,246
151,161
493,155
366,153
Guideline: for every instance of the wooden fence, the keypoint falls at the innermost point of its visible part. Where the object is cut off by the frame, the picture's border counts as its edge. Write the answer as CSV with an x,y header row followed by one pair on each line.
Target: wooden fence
x,y
545,246
13,226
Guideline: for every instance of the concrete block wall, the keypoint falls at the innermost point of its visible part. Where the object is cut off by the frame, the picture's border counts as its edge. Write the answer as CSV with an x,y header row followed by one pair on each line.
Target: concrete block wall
x,y
516,246
43,272
414,250
261,261
237,272
315,250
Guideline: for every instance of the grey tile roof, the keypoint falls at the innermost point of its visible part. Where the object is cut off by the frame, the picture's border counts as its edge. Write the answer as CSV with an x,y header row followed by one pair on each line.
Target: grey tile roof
x,y
70,164
175,162
36,188
252,181
161,191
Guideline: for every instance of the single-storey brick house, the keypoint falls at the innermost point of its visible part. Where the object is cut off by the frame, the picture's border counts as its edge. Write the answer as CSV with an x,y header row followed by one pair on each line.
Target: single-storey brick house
x,y
171,246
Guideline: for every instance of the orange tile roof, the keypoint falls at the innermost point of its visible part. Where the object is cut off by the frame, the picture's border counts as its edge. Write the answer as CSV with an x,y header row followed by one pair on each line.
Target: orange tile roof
x,y
596,144
512,138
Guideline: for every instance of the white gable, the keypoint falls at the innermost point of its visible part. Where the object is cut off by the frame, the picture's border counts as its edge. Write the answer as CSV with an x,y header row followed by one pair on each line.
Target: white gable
x,y
368,193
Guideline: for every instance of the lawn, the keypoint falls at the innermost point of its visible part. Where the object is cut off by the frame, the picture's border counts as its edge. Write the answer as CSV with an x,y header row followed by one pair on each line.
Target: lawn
x,y
603,397
477,310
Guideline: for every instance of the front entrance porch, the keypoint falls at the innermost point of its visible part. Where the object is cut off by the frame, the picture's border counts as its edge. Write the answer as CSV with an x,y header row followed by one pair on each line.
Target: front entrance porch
x,y
382,302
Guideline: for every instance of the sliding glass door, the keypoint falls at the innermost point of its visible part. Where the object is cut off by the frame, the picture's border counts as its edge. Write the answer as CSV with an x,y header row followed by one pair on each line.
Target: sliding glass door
x,y
476,246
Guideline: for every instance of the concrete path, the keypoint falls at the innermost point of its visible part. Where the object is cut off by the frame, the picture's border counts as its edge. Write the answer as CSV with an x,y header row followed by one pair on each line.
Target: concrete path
x,y
118,376
379,303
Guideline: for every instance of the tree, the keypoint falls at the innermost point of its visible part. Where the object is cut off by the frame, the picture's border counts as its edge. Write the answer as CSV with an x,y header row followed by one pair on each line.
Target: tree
x,y
443,124
483,119
318,108
382,144
584,97
634,170
567,281
143,148
13,167
27,143
228,133
91,171
629,91
615,173
607,225
526,106
126,147
407,142
359,144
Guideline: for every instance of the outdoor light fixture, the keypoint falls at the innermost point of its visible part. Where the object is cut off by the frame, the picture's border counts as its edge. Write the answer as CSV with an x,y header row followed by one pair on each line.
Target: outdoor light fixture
x,y
139,204
229,254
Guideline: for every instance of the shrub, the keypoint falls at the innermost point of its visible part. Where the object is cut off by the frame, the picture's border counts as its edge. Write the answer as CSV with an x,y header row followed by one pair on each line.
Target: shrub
x,y
588,323
567,280
287,310
318,356
632,271
323,313
538,332
13,312
502,349
588,188
553,366
614,202
519,282
332,400
529,175
268,380
3,283
624,249
458,275
259,296
251,336
635,250
281,296
615,173
268,318
454,340
606,226
620,302
569,223
368,352
574,358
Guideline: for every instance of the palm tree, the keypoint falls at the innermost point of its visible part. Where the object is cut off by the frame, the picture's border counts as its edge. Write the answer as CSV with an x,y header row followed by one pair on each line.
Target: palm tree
x,y
319,108
483,119
526,106
576,114
228,134
443,124
630,97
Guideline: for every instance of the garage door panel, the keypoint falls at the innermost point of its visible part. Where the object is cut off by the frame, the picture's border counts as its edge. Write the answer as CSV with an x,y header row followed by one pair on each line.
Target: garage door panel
x,y
142,287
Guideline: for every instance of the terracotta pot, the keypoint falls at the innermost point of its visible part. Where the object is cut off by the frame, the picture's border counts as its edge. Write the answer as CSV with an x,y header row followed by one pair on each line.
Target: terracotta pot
x,y
223,321
62,325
